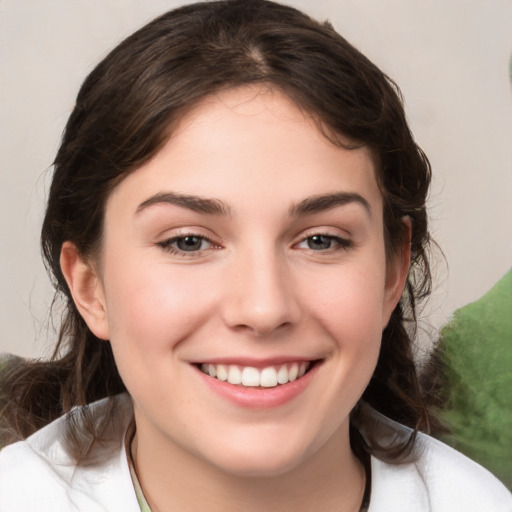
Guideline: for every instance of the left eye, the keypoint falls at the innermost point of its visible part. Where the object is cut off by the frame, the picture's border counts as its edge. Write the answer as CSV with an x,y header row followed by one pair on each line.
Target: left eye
x,y
323,243
189,243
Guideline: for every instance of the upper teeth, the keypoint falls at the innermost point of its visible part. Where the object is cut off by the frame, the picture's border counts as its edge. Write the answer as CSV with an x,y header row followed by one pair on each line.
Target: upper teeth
x,y
249,376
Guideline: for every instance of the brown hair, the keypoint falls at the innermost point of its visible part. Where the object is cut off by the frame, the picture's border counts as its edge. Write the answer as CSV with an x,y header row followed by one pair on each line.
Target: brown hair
x,y
121,119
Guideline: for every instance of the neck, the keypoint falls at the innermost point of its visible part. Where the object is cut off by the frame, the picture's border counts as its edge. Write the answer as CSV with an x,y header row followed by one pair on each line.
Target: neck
x,y
332,479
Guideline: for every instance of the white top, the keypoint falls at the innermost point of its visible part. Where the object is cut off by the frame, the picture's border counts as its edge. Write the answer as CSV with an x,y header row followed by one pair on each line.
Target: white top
x,y
37,475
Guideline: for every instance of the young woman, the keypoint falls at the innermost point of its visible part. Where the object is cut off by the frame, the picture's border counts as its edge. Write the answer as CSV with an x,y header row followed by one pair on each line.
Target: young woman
x,y
236,208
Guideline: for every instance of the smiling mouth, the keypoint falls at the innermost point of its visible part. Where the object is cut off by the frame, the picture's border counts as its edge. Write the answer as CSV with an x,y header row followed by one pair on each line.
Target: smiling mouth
x,y
249,376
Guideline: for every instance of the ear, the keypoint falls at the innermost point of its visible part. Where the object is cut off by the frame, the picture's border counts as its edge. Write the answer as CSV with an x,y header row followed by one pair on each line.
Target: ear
x,y
396,273
86,289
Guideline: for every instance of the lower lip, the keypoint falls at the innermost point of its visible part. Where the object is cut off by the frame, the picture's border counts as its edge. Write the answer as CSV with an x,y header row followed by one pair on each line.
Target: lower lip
x,y
259,398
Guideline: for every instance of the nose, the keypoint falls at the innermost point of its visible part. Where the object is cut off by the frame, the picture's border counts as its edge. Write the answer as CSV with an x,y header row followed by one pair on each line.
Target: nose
x,y
260,296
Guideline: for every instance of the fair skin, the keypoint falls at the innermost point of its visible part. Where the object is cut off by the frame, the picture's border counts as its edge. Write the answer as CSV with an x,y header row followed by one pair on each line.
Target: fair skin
x,y
284,264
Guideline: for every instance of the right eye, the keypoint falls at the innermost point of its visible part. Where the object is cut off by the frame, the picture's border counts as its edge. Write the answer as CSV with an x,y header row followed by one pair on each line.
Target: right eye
x,y
190,244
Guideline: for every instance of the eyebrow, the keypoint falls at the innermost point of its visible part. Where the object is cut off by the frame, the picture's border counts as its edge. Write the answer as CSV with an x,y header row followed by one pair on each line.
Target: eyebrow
x,y
321,203
194,203
310,205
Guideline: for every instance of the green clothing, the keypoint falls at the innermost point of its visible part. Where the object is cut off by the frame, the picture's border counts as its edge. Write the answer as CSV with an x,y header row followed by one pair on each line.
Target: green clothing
x,y
143,504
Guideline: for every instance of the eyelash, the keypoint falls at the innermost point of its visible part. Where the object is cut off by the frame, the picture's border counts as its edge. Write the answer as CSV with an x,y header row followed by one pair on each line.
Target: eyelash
x,y
167,245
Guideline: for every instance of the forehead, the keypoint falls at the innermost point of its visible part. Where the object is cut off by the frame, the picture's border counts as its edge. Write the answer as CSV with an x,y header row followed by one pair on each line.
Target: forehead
x,y
252,144
261,105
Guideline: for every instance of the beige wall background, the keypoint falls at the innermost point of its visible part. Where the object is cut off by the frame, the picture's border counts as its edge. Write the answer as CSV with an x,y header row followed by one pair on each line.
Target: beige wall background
x,y
450,58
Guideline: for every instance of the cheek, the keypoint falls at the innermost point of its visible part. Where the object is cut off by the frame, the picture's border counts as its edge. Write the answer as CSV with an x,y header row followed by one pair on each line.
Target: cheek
x,y
149,315
349,303
156,307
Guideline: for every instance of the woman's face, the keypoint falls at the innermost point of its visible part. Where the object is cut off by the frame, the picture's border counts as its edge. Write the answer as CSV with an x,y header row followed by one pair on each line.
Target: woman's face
x,y
250,248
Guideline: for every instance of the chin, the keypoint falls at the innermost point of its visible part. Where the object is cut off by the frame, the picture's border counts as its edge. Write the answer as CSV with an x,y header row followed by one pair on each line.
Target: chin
x,y
258,459
249,466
